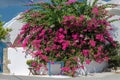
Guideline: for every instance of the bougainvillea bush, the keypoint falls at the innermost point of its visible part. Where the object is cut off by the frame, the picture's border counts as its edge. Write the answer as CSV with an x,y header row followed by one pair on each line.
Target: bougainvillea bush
x,y
66,30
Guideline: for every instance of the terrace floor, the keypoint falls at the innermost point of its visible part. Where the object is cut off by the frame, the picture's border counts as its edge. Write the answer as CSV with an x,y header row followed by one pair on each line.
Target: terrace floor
x,y
94,76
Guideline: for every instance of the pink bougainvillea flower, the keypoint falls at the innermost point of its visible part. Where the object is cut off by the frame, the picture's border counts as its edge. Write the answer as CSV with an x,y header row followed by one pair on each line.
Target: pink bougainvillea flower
x,y
100,48
34,64
22,32
58,55
37,46
37,68
74,68
25,42
44,57
81,36
88,61
99,60
65,31
85,30
106,58
105,22
100,37
34,15
61,41
52,62
53,47
26,26
19,41
83,42
97,54
92,24
37,53
81,18
70,2
26,11
47,49
68,18
36,41
61,30
75,36
85,52
75,58
110,28
61,36
95,11
65,18
65,45
82,66
92,43
110,39
43,32
66,69
50,30
114,45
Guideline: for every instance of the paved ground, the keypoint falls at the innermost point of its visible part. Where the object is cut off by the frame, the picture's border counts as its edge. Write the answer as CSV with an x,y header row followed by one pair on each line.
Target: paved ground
x,y
97,76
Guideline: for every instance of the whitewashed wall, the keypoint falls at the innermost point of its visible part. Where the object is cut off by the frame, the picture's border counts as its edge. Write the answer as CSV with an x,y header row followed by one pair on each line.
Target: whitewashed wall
x,y
18,61
116,28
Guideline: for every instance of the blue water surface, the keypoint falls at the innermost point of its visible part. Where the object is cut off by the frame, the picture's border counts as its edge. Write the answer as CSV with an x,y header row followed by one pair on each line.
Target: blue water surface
x,y
11,8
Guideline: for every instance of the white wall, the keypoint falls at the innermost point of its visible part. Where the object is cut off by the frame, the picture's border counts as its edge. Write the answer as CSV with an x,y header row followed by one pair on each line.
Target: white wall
x,y
116,29
18,61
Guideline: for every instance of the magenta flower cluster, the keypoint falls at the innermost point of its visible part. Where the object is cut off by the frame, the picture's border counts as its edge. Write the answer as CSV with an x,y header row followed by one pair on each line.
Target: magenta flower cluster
x,y
70,2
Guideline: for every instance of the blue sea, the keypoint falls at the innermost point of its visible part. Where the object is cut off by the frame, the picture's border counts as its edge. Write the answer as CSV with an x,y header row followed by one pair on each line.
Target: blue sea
x,y
11,8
